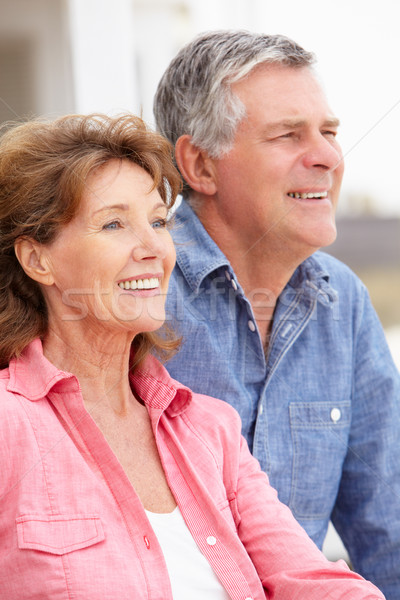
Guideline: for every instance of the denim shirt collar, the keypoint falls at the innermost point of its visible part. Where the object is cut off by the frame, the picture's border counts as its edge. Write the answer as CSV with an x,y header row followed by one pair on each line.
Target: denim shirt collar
x,y
312,276
198,256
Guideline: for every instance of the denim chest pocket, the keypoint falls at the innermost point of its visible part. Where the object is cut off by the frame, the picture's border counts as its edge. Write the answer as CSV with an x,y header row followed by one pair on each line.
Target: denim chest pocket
x,y
320,433
58,534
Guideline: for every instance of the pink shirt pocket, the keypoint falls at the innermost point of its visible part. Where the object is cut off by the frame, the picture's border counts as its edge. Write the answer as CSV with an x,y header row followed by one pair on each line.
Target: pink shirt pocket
x,y
58,534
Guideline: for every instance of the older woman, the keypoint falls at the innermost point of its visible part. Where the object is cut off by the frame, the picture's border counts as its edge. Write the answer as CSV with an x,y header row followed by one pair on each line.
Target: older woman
x,y
117,481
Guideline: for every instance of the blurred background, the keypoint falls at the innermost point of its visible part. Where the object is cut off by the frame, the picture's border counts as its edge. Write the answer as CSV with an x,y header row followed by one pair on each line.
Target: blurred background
x,y
60,56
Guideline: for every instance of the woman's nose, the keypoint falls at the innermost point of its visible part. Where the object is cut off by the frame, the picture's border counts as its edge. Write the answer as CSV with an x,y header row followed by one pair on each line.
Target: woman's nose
x,y
148,244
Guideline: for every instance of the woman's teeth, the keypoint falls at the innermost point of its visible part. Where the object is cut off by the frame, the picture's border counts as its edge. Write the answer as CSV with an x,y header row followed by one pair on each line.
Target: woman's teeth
x,y
307,196
140,284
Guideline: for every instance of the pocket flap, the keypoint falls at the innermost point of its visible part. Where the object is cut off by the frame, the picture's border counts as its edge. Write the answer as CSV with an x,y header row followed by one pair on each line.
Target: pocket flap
x,y
316,415
58,534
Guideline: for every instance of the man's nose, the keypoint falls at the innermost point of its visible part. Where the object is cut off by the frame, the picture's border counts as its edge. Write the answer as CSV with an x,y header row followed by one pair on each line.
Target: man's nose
x,y
323,152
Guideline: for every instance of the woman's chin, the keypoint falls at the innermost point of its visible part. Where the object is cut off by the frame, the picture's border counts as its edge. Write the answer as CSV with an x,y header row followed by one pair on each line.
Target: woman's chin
x,y
143,322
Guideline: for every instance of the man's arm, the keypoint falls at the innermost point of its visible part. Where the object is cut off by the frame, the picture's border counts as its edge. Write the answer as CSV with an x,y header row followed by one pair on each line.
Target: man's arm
x,y
367,511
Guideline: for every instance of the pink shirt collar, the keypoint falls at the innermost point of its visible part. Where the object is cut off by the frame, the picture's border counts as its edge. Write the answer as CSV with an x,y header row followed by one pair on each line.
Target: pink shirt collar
x,y
33,376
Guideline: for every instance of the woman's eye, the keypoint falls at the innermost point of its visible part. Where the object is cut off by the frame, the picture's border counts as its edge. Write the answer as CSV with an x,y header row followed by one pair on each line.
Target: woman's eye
x,y
112,225
159,223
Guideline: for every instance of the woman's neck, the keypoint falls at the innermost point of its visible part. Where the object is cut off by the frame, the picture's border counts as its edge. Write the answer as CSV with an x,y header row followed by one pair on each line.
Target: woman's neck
x,y
99,361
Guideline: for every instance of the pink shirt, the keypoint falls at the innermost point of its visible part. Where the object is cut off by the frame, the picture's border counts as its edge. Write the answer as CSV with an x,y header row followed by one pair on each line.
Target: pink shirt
x,y
72,527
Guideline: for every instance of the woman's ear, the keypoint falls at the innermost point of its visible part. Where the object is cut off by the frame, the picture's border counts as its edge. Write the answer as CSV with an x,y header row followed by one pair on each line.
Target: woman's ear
x,y
196,167
32,258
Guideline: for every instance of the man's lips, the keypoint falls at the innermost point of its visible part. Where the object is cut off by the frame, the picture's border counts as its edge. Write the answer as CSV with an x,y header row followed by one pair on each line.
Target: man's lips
x,y
308,195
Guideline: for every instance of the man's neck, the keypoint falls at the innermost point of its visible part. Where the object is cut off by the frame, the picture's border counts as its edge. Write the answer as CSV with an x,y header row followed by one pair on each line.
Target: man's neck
x,y
263,267
262,278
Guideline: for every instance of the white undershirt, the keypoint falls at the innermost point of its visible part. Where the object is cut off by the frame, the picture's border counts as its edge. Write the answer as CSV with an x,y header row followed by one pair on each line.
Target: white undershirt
x,y
189,571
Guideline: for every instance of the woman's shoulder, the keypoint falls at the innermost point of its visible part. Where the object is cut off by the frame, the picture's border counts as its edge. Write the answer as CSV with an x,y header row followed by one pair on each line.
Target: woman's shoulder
x,y
14,419
4,381
4,374
214,405
14,407
191,414
216,418
187,400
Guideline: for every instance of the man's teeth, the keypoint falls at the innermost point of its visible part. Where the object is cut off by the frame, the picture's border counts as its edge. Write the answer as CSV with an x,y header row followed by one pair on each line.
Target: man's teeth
x,y
307,196
140,284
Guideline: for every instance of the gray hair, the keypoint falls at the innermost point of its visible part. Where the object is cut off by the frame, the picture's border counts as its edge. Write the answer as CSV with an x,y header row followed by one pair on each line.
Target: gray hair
x,y
194,95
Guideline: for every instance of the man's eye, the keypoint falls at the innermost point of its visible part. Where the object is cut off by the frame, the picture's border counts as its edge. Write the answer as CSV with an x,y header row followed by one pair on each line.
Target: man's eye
x,y
330,133
112,225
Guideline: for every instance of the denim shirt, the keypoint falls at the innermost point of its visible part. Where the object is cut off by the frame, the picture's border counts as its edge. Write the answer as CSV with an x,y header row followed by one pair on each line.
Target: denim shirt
x,y
322,412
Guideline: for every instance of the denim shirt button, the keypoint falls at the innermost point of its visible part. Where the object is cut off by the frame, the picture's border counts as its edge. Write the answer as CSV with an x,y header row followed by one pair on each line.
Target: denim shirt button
x,y
335,414
228,275
234,284
251,325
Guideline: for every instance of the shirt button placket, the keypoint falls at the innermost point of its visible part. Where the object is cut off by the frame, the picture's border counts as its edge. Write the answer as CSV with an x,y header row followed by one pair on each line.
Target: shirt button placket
x,y
211,540
251,325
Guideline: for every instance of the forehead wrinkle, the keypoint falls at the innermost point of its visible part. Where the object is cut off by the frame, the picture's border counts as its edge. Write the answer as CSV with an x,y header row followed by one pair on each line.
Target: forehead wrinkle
x,y
124,207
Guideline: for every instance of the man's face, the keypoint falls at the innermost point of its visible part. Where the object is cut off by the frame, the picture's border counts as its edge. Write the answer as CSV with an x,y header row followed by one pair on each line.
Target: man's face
x,y
278,186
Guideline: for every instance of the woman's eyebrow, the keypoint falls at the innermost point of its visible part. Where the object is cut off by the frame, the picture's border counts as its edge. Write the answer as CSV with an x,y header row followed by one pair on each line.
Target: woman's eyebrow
x,y
125,207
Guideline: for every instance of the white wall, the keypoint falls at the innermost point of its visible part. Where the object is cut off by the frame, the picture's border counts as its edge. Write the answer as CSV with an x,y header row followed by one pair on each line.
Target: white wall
x,y
41,24
102,51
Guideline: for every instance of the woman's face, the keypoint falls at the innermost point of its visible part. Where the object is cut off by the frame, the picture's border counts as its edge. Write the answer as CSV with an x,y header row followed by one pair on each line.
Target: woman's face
x,y
111,264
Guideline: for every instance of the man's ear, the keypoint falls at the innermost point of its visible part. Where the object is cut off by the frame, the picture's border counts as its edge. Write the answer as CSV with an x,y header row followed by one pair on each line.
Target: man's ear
x,y
33,259
196,167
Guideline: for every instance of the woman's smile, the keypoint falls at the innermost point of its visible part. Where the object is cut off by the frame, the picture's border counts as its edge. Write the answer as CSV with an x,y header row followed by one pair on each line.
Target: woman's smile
x,y
122,220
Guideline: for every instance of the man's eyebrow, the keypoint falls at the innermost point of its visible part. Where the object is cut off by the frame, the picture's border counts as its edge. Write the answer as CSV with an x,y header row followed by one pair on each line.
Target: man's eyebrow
x,y
284,124
332,122
297,124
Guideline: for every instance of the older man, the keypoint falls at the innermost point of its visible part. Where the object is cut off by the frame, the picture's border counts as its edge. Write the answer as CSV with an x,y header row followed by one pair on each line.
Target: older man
x,y
283,332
